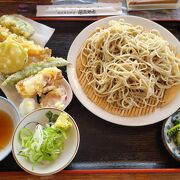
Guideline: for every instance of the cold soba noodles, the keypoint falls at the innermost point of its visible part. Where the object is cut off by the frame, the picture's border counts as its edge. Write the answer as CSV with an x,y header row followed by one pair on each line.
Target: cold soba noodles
x,y
127,67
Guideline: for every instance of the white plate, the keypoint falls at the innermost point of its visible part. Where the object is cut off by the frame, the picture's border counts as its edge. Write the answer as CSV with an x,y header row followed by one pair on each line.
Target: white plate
x,y
154,117
12,94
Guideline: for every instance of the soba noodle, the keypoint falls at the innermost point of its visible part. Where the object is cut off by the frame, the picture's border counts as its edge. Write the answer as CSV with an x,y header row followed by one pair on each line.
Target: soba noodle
x,y
129,65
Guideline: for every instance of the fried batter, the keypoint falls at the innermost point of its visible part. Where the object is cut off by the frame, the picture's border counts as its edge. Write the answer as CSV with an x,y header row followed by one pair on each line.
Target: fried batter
x,y
43,82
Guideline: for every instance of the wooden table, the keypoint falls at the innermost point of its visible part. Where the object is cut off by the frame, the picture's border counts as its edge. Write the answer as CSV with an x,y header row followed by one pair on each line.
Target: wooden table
x,y
66,175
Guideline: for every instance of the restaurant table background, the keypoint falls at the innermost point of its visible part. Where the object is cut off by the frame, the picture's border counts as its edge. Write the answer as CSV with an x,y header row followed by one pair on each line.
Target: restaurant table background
x,y
105,145
93,176
28,9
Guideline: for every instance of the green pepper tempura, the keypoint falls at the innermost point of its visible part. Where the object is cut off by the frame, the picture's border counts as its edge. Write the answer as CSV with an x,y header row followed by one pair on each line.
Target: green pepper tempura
x,y
45,143
33,69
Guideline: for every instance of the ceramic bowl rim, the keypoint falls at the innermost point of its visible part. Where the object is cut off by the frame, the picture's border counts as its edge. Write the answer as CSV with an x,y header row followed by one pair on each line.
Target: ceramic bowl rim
x,y
165,142
59,169
10,103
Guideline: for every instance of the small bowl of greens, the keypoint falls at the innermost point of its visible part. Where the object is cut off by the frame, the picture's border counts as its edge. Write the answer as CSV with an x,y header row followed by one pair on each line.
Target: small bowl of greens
x,y
171,135
45,141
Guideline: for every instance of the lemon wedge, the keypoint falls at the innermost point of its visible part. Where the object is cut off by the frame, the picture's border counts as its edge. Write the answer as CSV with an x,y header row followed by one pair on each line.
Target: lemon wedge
x,y
13,56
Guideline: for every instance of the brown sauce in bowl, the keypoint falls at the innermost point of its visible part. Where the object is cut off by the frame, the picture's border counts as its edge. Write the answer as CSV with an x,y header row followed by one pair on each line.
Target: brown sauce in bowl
x,y
6,129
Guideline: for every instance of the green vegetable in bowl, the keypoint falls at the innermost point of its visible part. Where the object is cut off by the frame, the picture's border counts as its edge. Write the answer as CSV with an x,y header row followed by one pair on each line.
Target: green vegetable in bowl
x,y
52,117
178,138
174,132
47,142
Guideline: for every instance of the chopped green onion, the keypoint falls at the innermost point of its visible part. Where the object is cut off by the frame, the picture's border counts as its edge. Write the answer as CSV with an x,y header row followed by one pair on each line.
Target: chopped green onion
x,y
45,144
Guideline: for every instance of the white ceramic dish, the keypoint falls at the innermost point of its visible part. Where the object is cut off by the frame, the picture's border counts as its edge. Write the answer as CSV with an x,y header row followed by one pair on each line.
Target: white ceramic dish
x,y
71,145
152,118
12,94
172,148
8,107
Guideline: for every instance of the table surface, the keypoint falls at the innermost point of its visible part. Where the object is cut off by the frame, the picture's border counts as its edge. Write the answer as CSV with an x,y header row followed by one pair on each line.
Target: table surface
x,y
29,10
105,145
93,176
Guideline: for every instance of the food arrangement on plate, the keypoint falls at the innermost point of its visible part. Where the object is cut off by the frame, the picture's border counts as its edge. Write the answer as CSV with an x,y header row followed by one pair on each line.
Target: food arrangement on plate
x,y
30,68
125,69
171,135
31,77
9,118
128,70
45,141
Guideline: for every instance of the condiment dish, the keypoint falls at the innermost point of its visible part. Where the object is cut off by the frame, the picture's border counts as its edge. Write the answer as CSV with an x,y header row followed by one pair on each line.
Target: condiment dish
x,y
69,151
8,107
169,143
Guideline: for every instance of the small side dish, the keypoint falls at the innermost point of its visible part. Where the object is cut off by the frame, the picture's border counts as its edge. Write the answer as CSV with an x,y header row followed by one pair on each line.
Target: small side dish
x,y
6,129
45,141
171,135
174,131
9,118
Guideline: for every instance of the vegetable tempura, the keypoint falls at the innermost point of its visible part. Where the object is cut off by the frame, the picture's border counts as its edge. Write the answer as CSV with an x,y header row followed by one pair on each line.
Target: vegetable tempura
x,y
45,81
